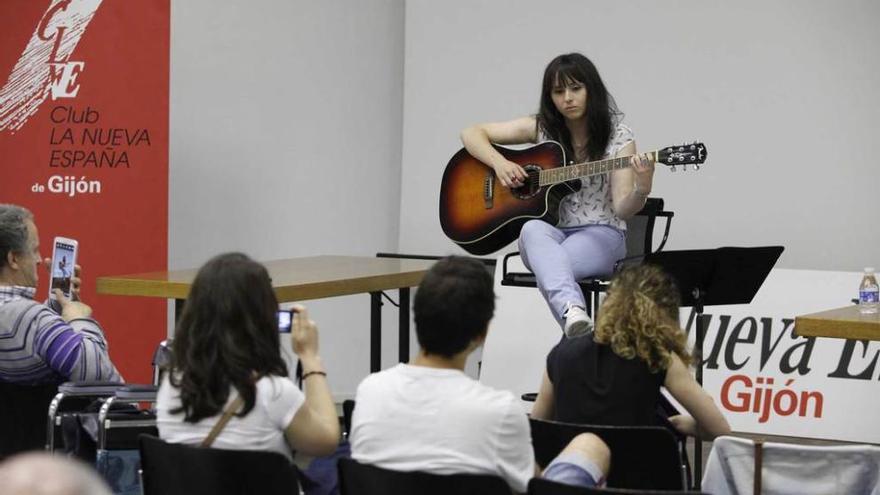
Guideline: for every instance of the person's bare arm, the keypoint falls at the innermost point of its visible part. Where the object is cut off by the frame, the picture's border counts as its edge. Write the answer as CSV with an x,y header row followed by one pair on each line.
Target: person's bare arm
x,y
543,408
697,401
478,140
314,428
631,186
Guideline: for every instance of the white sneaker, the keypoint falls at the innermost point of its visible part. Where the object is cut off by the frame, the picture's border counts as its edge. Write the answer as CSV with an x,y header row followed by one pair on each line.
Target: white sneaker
x,y
577,322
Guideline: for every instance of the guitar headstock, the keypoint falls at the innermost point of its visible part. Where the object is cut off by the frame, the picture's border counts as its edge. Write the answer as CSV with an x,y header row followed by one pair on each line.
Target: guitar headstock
x,y
684,154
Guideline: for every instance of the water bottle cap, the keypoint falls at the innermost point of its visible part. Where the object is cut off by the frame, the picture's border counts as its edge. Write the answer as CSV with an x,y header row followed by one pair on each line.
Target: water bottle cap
x,y
869,269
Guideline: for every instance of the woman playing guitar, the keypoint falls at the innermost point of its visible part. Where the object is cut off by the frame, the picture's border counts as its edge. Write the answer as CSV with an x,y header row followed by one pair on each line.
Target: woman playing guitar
x,y
577,112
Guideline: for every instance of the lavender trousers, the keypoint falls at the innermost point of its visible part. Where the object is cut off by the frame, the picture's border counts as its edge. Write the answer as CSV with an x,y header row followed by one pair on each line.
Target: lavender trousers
x,y
559,257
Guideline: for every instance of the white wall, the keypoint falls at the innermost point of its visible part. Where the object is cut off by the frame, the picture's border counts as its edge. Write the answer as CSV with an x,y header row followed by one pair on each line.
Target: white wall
x,y
285,141
290,121
783,93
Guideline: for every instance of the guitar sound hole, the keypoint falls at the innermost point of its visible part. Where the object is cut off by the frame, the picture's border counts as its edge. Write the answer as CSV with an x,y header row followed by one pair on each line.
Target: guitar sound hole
x,y
531,187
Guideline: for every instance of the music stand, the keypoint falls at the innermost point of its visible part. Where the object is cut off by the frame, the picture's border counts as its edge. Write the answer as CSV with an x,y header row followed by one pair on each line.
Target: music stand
x,y
711,277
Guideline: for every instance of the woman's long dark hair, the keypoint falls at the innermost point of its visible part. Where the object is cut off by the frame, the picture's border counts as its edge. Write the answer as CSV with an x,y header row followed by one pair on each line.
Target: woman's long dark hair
x,y
227,335
601,109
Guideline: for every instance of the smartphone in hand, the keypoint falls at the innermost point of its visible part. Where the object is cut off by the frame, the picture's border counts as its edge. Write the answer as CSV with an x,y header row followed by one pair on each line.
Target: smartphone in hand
x,y
285,320
64,252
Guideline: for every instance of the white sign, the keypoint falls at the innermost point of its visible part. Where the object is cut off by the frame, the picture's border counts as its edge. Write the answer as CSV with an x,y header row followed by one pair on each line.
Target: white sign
x,y
764,378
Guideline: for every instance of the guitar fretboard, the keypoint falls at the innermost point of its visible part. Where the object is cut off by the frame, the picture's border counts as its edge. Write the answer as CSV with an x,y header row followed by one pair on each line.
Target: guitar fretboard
x,y
582,170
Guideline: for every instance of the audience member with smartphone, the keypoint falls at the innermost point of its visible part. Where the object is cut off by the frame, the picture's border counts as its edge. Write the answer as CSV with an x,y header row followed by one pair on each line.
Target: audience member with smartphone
x,y
228,364
54,342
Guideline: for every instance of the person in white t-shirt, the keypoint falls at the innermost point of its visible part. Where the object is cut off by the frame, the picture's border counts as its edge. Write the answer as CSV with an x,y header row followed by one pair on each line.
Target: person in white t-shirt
x,y
429,416
226,346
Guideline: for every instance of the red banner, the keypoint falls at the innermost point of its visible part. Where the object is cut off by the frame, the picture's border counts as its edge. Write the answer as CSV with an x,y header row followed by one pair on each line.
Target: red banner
x,y
84,146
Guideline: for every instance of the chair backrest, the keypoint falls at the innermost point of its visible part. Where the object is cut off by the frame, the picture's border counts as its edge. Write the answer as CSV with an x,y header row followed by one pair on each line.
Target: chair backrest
x,y
23,416
792,468
642,457
539,486
640,227
172,469
362,479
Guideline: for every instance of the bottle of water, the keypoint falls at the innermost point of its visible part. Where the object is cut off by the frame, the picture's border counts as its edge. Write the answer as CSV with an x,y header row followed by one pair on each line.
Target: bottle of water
x,y
868,293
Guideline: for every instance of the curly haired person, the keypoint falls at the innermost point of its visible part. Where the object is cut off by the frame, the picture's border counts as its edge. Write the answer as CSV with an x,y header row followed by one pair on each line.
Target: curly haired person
x,y
612,376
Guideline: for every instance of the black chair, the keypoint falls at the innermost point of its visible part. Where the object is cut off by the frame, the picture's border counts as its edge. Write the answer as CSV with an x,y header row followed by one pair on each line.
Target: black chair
x,y
642,457
174,469
362,479
639,242
72,399
120,422
134,421
23,417
539,486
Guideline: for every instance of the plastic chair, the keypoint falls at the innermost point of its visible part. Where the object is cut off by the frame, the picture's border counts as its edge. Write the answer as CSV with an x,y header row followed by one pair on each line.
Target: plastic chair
x,y
540,486
642,457
790,468
175,469
362,479
639,242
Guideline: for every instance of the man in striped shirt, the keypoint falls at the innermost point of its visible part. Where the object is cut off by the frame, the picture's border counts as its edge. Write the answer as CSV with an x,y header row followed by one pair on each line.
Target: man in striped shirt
x,y
43,343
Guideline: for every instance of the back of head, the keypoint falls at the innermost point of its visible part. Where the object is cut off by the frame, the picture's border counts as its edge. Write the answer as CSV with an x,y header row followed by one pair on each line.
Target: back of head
x,y
40,473
601,108
453,305
13,230
639,317
227,335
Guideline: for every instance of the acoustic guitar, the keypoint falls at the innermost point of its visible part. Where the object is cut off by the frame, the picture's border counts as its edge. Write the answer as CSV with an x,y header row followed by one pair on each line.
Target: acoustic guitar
x,y
482,216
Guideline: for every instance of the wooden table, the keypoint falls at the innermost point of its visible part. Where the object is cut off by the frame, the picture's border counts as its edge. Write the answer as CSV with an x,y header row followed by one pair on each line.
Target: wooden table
x,y
302,279
843,323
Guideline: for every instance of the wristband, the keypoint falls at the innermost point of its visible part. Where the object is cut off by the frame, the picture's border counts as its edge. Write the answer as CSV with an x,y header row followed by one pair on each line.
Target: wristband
x,y
310,373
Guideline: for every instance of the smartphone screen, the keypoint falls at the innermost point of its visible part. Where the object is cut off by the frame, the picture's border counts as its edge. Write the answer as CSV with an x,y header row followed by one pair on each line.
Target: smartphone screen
x,y
63,261
285,320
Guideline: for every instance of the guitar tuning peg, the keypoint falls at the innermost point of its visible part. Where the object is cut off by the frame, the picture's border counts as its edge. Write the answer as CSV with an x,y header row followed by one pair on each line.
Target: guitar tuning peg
x,y
672,168
696,167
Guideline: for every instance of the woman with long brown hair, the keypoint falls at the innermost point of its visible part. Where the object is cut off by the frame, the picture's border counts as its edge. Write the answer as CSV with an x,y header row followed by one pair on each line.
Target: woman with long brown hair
x,y
612,376
227,358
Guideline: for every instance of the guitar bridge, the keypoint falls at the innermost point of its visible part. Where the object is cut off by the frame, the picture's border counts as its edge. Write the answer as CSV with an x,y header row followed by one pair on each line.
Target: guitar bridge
x,y
489,190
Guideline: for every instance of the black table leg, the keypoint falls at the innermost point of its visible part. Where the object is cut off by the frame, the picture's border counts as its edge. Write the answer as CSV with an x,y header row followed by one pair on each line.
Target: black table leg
x,y
403,326
375,331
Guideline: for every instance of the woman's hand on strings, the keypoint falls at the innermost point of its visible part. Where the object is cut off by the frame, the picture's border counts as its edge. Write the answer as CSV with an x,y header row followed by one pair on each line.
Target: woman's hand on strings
x,y
643,171
510,174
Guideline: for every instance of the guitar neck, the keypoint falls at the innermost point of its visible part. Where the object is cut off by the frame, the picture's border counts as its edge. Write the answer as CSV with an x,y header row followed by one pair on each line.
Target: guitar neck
x,y
583,170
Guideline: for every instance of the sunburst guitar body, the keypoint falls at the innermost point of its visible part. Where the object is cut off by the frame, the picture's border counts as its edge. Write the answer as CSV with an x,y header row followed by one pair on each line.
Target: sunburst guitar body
x,y
482,216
